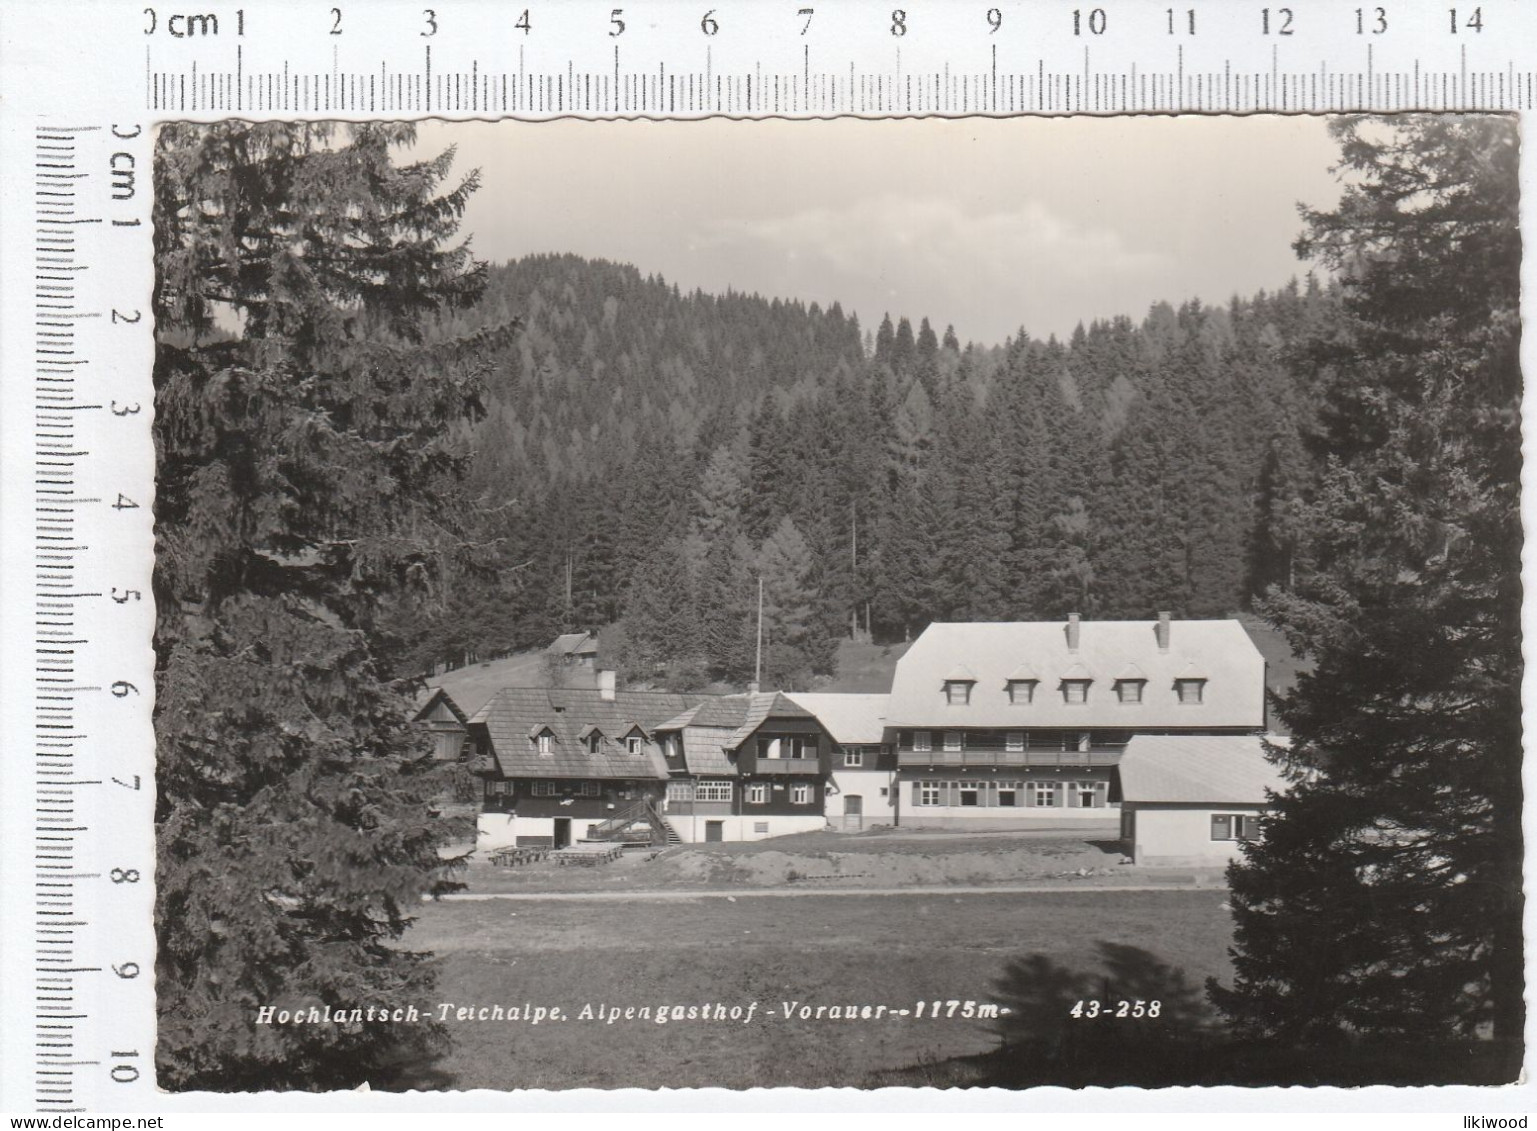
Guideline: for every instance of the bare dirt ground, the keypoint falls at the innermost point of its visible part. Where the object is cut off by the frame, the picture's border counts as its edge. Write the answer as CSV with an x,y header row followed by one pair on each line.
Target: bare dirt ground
x,y
895,859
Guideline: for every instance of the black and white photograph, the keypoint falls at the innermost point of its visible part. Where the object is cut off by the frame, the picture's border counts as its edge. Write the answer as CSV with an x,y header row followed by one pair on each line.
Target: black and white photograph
x,y
929,603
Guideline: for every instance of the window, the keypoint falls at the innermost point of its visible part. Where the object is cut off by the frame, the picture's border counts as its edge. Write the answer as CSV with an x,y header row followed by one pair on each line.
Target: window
x,y
1189,690
800,795
1022,691
1129,690
589,789
1014,741
853,756
957,692
928,793
971,795
757,795
1234,826
1075,690
713,791
1091,794
680,791
594,740
954,740
1008,794
543,789
499,787
633,744
1044,794
922,740
787,746
546,742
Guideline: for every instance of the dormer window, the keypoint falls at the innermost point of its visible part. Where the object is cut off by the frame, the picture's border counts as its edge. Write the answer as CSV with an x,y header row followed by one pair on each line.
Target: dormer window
x,y
633,745
1189,690
545,742
594,741
954,740
1075,690
959,681
1129,690
1022,691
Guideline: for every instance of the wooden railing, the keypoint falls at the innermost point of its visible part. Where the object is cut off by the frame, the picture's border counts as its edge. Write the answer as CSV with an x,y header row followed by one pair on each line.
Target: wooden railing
x,y
786,766
1095,756
638,811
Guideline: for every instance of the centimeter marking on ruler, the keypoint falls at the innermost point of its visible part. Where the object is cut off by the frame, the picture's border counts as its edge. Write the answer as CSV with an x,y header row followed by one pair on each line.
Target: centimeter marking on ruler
x,y
58,631
992,90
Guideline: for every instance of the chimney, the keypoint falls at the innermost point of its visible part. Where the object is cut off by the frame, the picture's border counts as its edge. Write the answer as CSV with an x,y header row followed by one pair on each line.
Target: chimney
x,y
1072,632
752,687
606,684
1162,632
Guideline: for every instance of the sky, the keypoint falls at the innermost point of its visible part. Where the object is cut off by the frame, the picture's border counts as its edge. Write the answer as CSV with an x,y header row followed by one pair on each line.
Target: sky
x,y
987,225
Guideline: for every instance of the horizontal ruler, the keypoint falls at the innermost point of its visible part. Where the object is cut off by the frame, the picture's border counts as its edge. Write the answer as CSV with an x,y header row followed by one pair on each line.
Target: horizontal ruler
x,y
687,59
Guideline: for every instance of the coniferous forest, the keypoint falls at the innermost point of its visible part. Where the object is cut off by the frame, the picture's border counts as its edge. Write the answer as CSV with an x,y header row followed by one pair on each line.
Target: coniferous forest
x,y
646,455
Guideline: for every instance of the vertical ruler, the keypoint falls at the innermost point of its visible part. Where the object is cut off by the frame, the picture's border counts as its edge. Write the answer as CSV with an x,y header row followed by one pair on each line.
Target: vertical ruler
x,y
92,755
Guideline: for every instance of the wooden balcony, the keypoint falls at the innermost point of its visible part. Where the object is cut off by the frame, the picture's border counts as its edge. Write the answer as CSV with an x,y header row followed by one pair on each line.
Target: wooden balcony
x,y
996,756
768,767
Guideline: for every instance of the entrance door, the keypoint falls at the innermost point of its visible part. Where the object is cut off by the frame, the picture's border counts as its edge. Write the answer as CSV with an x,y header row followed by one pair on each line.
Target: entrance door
x,y
853,811
562,832
714,831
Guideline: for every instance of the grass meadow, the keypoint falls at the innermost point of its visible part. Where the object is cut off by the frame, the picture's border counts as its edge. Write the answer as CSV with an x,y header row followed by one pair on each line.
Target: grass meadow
x,y
832,950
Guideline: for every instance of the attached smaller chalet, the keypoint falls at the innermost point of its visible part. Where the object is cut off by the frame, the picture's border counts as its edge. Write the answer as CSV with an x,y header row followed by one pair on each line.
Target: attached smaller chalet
x,y
567,764
1194,799
745,767
862,790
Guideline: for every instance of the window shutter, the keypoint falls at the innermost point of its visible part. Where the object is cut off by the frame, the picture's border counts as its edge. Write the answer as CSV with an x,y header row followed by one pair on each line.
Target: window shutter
x,y
1221,827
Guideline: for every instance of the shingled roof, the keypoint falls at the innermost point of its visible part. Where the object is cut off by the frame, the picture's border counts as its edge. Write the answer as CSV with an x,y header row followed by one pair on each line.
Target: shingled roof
x,y
712,729
515,715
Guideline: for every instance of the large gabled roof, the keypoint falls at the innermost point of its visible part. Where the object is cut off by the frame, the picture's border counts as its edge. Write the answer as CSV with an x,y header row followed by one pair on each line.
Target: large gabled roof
x,y
1198,769
514,714
1218,651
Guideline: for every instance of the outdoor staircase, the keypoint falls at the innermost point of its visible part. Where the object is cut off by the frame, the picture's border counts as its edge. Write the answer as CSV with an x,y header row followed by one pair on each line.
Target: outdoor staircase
x,y
639,825
670,835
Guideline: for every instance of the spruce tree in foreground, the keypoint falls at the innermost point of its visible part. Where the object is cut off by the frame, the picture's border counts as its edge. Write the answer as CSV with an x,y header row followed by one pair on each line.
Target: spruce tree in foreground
x,y
304,484
1385,898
